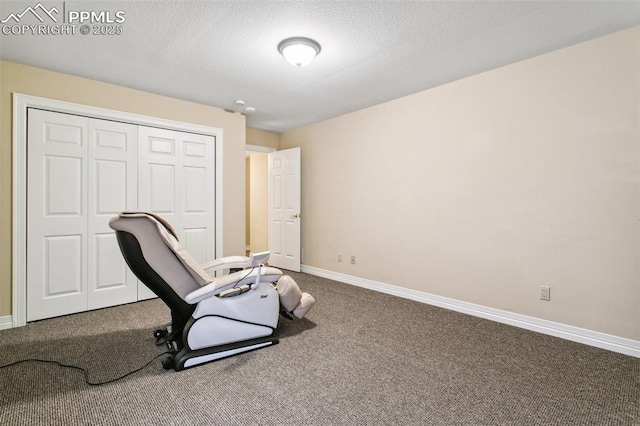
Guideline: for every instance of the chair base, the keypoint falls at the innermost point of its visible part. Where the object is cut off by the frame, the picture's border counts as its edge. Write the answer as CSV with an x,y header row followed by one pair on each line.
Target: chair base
x,y
189,358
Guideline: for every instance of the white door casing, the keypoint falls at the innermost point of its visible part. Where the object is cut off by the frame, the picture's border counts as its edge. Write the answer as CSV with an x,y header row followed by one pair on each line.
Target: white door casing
x,y
258,195
284,209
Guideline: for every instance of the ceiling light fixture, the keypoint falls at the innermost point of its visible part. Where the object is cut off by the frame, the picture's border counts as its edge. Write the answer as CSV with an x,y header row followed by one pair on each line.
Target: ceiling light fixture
x,y
299,51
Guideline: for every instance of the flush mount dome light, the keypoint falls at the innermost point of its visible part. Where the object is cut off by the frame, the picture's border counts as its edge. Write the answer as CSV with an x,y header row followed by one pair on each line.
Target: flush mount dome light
x,y
299,51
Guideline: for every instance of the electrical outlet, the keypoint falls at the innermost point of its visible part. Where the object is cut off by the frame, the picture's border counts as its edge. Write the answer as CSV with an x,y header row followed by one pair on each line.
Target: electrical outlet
x,y
353,260
545,293
339,257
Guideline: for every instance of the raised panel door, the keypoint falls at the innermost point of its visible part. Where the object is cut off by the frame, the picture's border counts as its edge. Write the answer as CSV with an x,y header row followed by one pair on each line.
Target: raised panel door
x,y
284,209
112,180
57,214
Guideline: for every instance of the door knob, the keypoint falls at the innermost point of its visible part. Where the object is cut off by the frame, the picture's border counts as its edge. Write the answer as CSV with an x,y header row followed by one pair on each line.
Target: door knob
x,y
296,216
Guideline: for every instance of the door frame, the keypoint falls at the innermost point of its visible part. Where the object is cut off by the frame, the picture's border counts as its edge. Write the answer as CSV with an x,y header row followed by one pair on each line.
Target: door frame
x,y
249,149
21,103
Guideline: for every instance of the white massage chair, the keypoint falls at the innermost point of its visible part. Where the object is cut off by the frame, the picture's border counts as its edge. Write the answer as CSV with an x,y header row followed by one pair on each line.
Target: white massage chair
x,y
211,317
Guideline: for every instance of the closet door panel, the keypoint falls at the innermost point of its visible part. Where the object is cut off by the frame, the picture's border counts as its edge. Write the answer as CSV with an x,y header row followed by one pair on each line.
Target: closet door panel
x,y
176,181
195,190
197,197
57,214
158,173
112,178
196,240
162,181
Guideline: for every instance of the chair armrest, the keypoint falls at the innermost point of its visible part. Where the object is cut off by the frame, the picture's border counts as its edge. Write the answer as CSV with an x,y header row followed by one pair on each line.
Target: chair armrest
x,y
210,290
227,262
227,282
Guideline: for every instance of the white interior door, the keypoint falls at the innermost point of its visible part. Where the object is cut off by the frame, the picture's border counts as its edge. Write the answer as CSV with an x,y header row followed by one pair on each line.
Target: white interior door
x,y
57,214
112,171
284,209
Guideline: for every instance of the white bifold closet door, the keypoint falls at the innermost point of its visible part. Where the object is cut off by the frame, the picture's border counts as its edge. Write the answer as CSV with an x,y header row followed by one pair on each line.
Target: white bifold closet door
x,y
176,181
79,173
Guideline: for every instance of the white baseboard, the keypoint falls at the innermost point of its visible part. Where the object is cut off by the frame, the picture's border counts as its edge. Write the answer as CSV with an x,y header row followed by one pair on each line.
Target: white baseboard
x,y
6,322
568,332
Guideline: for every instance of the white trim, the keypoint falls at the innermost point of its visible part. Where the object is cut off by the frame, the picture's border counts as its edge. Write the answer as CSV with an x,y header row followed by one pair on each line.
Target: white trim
x,y
218,201
6,322
568,332
19,218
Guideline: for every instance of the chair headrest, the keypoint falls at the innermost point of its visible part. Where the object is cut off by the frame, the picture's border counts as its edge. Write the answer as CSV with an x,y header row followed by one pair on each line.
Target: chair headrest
x,y
170,237
141,213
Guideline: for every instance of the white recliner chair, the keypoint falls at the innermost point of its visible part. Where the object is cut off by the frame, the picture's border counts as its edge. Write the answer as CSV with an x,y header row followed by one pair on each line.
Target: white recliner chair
x,y
211,317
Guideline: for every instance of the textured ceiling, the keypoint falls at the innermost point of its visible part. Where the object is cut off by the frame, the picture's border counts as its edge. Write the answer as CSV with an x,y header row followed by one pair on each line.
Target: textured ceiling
x,y
214,52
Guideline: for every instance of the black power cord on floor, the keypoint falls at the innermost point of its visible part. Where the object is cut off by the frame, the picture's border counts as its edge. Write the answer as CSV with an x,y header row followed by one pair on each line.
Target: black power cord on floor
x,y
86,377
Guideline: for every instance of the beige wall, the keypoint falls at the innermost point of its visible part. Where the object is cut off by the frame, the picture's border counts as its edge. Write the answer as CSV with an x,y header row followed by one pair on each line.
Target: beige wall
x,y
488,187
47,84
262,138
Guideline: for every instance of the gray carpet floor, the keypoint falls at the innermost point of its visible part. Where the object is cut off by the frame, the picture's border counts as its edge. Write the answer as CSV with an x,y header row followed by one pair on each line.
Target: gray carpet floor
x,y
358,358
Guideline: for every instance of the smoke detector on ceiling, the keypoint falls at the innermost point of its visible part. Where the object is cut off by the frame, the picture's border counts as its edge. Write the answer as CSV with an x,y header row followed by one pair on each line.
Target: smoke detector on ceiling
x,y
242,108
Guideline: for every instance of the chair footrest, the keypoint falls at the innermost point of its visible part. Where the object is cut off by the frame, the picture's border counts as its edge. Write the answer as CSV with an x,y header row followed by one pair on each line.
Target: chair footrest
x,y
292,300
